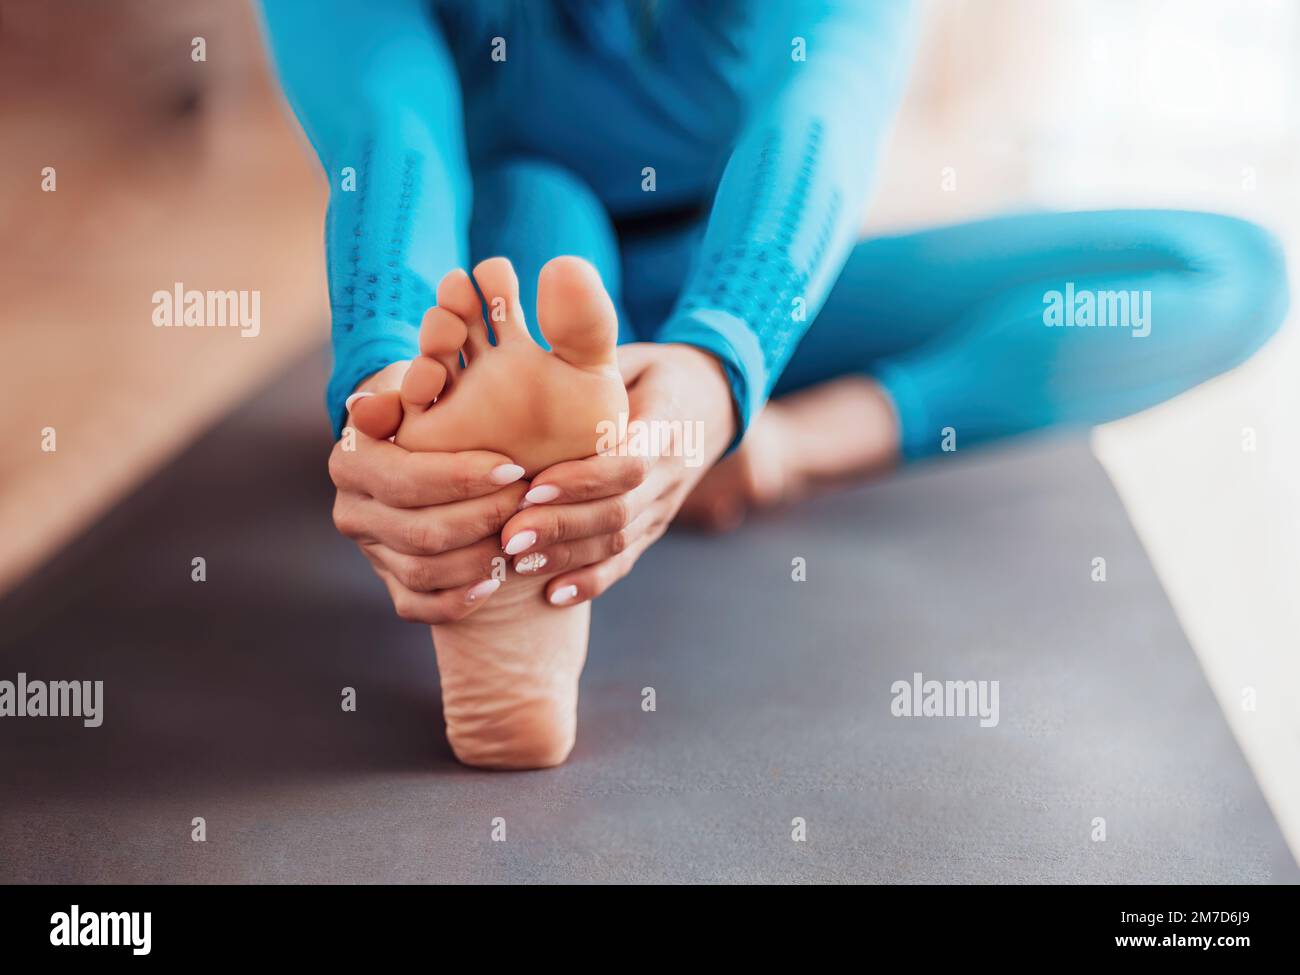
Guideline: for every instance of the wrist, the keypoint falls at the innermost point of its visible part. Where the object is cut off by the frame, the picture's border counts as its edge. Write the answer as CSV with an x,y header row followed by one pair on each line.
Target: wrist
x,y
708,389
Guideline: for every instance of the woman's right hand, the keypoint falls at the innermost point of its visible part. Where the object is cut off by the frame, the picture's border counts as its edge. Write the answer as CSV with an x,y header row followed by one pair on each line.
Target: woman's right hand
x,y
428,522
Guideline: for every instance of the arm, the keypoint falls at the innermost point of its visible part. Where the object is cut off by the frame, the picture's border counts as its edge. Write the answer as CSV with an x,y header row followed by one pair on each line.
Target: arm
x,y
376,91
790,202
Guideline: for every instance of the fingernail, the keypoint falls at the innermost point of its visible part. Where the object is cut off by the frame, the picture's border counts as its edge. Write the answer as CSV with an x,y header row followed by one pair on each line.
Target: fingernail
x,y
347,403
506,474
542,493
518,543
531,562
564,595
484,589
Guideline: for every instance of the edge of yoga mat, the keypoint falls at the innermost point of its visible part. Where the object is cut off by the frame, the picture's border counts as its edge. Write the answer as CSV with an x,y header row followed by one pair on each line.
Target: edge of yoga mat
x,y
772,697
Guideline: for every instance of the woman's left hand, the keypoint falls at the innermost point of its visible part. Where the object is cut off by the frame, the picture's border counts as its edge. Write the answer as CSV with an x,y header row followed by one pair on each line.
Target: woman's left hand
x,y
588,521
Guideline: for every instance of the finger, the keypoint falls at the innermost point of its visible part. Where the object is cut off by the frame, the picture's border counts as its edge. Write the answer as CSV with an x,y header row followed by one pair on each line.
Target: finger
x,y
572,588
403,479
426,531
569,556
446,606
589,479
542,525
447,570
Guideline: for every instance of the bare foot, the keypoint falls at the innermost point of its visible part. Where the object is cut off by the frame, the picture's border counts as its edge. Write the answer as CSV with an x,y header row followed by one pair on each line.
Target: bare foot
x,y
835,433
510,669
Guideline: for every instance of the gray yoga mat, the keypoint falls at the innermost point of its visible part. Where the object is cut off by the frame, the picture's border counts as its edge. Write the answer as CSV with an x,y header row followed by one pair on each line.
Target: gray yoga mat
x,y
772,697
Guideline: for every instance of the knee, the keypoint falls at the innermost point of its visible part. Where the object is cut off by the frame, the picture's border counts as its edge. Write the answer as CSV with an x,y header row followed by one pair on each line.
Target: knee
x,y
1246,298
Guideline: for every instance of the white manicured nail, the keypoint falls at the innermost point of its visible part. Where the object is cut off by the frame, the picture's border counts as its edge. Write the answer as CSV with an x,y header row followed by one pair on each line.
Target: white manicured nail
x,y
542,493
347,403
532,562
518,543
484,589
564,595
506,474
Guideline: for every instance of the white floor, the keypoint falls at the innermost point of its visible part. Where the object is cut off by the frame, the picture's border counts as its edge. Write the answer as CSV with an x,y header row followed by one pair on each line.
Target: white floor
x,y
1222,526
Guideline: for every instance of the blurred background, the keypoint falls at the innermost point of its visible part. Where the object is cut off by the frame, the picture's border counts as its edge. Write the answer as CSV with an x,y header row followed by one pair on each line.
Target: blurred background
x,y
172,170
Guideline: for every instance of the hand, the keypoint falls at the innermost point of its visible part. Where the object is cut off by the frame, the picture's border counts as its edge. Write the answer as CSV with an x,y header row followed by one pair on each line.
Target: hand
x,y
591,519
427,522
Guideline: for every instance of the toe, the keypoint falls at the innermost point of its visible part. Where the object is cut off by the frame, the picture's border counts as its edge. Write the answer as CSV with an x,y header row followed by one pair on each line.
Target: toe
x,y
422,383
575,312
377,416
500,286
456,294
442,335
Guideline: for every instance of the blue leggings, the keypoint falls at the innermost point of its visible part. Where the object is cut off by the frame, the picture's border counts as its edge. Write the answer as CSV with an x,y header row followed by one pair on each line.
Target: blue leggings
x,y
951,320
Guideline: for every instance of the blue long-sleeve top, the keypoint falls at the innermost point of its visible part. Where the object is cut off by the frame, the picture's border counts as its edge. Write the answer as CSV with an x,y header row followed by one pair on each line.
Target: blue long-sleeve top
x,y
775,109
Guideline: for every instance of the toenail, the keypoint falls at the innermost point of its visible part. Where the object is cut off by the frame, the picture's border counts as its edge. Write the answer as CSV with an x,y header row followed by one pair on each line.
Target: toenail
x,y
484,589
519,542
564,595
542,493
347,403
531,562
506,474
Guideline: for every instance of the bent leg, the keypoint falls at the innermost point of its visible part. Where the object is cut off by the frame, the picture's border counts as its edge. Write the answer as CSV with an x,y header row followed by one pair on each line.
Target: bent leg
x,y
951,321
945,328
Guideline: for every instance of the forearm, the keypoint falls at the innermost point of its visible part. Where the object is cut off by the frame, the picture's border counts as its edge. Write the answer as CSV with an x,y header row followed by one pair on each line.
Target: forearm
x,y
789,204
387,244
377,95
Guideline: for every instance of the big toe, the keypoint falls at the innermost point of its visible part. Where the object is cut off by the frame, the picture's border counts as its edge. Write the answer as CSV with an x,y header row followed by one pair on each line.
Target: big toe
x,y
576,313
